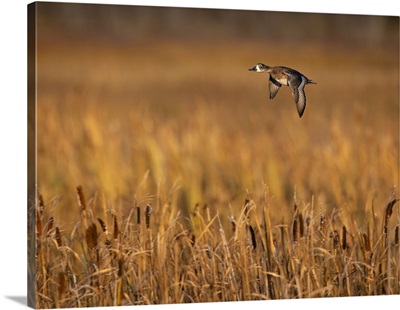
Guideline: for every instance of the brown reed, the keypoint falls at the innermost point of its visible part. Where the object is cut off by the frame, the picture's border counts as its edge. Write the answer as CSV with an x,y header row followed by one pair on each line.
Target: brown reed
x,y
171,262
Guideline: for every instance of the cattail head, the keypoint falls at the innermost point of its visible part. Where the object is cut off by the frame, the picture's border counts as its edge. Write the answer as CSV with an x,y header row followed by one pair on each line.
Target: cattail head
x,y
138,214
91,236
301,224
344,236
193,240
253,237
120,267
58,237
149,210
102,224
295,231
116,230
367,244
82,205
81,198
38,225
388,214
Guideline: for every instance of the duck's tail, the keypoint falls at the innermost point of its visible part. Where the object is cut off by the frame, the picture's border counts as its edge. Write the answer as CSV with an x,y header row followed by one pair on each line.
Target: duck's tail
x,y
311,82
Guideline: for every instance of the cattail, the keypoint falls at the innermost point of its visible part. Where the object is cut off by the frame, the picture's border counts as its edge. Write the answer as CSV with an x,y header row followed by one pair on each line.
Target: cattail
x,y
107,242
138,214
102,224
389,208
81,198
301,225
388,214
344,236
193,240
58,237
116,230
253,237
91,236
149,209
367,243
294,231
38,225
120,267
94,234
322,226
91,239
82,205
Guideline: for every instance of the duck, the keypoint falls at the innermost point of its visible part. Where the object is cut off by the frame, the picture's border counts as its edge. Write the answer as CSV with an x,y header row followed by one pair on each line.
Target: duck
x,y
280,75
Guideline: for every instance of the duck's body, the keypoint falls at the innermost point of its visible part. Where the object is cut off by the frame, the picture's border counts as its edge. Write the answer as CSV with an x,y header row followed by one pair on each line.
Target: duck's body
x,y
279,76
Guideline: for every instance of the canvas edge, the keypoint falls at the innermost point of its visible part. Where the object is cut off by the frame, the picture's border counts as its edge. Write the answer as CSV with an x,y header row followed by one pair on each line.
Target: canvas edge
x,y
31,148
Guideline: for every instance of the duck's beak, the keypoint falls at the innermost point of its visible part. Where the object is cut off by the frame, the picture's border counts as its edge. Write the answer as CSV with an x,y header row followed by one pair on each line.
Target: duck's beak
x,y
253,68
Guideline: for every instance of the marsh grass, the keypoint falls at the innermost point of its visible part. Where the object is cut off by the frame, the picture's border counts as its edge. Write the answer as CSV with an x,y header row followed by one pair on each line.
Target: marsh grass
x,y
197,122
165,258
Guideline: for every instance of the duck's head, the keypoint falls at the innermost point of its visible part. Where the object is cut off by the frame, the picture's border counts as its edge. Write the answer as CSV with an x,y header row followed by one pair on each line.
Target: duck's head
x,y
259,68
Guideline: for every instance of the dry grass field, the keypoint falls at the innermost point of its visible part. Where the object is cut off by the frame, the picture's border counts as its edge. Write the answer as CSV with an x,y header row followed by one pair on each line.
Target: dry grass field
x,y
193,186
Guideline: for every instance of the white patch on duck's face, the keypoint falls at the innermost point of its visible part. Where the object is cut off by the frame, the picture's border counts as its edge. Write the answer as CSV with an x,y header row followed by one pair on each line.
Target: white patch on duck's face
x,y
259,68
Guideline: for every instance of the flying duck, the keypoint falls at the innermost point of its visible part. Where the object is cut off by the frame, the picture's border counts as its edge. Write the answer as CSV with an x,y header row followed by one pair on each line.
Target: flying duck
x,y
279,76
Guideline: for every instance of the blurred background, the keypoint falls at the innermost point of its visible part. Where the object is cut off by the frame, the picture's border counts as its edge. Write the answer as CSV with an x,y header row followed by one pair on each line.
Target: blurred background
x,y
121,23
150,104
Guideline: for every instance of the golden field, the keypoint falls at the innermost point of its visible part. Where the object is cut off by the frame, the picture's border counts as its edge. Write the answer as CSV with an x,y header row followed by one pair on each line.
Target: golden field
x,y
203,128
248,201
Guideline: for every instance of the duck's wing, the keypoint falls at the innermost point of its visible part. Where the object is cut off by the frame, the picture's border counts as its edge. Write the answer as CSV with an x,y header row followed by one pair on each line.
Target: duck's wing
x,y
297,87
274,86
